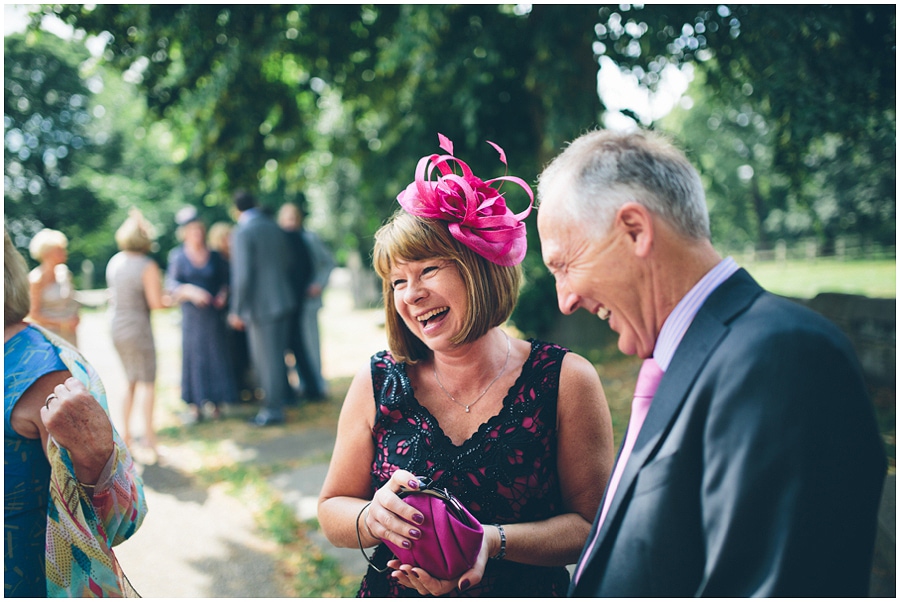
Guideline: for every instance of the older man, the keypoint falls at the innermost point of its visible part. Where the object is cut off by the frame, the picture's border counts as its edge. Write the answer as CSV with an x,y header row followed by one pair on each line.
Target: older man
x,y
752,465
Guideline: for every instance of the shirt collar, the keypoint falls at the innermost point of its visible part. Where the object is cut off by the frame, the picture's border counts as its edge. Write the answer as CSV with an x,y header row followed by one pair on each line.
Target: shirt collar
x,y
680,319
247,215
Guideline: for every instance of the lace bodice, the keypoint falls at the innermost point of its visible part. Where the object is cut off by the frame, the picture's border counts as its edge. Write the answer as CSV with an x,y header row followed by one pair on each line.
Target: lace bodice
x,y
505,473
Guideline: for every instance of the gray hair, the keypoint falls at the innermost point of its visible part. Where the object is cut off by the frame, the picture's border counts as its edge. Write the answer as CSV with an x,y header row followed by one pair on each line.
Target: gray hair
x,y
602,170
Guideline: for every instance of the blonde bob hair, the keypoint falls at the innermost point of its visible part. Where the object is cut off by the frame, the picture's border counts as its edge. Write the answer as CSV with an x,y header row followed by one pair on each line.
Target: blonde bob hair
x,y
491,290
45,240
135,234
16,295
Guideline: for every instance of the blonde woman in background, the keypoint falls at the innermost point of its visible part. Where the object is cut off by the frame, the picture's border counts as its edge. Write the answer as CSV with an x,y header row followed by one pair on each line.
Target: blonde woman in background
x,y
135,287
219,239
53,303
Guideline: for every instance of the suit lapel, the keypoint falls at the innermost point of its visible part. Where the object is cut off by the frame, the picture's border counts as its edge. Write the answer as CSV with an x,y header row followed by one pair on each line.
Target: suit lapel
x,y
705,333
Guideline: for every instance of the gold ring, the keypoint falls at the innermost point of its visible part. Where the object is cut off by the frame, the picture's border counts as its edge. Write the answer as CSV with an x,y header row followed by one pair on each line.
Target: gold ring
x,y
49,397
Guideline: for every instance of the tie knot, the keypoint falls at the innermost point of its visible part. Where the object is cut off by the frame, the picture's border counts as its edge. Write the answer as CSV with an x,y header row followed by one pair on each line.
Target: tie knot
x,y
648,379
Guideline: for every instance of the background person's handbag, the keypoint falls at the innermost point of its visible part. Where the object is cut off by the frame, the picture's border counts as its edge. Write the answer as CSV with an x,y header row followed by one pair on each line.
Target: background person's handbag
x,y
451,536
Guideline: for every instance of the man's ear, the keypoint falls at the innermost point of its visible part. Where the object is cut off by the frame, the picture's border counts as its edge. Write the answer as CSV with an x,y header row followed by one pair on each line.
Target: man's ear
x,y
636,221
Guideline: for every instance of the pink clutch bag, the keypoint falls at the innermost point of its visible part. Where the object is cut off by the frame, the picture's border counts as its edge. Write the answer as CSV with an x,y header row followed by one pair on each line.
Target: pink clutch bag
x,y
451,536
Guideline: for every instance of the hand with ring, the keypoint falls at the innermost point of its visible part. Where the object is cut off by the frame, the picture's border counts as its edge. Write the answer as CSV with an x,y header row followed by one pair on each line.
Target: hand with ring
x,y
78,423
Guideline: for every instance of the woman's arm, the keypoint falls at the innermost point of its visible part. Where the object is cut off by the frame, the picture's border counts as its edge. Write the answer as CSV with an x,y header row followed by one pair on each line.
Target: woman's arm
x,y
153,289
347,485
74,418
36,285
80,425
584,463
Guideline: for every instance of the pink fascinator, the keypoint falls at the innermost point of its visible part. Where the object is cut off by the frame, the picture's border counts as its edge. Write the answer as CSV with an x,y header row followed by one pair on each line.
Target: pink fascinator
x,y
476,212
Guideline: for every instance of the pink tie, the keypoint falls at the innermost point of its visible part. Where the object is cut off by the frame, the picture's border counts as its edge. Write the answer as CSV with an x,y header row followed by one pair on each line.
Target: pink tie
x,y
647,382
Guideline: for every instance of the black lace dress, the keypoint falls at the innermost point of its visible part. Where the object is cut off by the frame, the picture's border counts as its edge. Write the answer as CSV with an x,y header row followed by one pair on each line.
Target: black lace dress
x,y
505,473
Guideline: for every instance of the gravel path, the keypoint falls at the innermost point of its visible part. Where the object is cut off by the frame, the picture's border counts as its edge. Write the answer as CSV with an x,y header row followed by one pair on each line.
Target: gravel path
x,y
202,543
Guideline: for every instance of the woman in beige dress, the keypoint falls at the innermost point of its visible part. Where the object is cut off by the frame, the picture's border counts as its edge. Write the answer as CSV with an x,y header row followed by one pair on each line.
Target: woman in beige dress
x,y
135,287
53,303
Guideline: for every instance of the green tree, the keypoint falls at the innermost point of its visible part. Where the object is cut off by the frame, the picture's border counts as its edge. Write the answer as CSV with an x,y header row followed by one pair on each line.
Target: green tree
x,y
733,148
816,82
80,152
47,117
335,103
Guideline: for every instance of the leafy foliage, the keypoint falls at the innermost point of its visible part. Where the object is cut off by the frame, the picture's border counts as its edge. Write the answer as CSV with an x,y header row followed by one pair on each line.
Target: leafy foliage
x,y
332,105
801,100
46,115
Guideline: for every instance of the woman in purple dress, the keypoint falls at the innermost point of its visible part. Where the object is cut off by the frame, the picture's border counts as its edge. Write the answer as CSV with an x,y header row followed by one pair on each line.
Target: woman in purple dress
x,y
198,278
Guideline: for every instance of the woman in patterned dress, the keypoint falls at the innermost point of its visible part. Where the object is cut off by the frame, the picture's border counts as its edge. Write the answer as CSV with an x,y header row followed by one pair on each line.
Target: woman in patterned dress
x,y
519,431
49,389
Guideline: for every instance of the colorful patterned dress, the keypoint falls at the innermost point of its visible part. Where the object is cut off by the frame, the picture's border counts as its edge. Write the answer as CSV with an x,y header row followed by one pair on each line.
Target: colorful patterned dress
x,y
26,472
505,473
80,566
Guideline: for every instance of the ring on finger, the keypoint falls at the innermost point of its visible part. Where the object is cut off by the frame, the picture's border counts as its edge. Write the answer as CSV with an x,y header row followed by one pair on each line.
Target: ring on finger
x,y
50,398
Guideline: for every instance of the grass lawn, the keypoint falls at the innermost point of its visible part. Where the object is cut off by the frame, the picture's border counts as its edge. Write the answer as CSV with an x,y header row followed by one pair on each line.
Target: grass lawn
x,y
806,279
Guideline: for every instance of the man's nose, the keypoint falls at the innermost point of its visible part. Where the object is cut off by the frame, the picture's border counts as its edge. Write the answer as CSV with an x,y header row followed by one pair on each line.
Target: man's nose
x,y
568,301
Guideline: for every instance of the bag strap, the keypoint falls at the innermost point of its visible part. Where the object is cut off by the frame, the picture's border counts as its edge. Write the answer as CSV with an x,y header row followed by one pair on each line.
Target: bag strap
x,y
369,559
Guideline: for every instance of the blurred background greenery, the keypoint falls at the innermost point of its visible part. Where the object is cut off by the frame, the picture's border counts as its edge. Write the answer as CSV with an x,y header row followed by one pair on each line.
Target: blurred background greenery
x,y
788,111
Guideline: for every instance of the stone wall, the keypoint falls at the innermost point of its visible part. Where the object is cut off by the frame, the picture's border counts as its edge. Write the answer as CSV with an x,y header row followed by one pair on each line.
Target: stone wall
x,y
871,325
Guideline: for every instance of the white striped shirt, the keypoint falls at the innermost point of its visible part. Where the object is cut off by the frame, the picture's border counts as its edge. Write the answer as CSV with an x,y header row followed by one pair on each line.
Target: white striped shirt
x,y
680,319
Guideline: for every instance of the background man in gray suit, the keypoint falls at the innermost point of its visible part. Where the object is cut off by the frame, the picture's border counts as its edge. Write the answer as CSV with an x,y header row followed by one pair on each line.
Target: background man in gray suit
x,y
758,468
262,300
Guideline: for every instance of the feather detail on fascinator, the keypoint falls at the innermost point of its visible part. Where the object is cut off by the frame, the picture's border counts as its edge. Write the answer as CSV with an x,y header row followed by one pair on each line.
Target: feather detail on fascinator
x,y
476,212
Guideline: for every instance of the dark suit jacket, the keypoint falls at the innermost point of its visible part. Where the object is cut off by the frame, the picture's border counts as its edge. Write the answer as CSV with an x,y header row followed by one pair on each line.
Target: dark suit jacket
x,y
759,468
260,290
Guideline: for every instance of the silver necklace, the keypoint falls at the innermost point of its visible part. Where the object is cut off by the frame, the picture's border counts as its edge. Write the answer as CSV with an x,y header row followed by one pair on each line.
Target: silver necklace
x,y
491,384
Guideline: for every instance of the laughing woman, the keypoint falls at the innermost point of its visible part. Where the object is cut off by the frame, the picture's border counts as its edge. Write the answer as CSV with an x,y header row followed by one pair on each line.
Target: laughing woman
x,y
519,431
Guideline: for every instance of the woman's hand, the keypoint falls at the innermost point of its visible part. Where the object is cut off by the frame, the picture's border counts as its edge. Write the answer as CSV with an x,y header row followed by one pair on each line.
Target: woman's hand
x,y
79,424
418,578
193,294
220,300
389,518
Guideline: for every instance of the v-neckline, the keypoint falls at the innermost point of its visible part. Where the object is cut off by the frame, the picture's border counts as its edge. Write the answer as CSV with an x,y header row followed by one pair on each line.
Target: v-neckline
x,y
505,408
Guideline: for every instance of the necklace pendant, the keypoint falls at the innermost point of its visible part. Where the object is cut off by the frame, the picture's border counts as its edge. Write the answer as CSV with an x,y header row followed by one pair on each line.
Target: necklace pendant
x,y
467,409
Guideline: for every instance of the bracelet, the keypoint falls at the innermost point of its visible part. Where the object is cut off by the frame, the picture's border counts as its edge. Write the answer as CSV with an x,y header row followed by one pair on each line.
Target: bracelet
x,y
369,559
502,553
366,509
